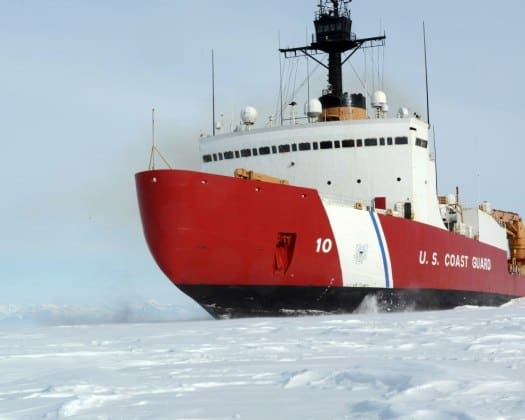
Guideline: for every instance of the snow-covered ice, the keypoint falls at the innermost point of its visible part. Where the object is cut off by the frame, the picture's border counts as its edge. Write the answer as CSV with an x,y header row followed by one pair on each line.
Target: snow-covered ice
x,y
467,363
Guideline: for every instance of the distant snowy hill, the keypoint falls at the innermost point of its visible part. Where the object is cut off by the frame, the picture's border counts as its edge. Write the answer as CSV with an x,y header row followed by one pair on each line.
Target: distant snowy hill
x,y
49,314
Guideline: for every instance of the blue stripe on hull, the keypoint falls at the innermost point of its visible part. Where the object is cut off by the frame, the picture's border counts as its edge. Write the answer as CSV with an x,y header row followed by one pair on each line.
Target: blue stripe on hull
x,y
382,247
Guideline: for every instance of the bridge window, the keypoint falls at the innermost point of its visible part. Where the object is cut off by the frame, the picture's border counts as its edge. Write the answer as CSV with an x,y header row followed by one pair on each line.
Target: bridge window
x,y
337,144
228,155
284,148
421,143
304,146
254,151
348,143
264,150
246,152
220,156
326,145
401,140
274,149
207,158
389,141
316,146
359,142
237,155
382,141
370,142
294,147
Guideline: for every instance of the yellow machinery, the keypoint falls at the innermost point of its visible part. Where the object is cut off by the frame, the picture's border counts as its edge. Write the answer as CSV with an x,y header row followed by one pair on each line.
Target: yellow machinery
x,y
516,238
256,176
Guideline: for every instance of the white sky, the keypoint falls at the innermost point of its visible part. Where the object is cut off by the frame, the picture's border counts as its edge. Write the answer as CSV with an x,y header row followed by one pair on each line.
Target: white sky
x,y
78,80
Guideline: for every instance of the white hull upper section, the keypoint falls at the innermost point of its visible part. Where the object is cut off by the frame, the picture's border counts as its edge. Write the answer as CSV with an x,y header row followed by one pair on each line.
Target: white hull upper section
x,y
361,246
486,228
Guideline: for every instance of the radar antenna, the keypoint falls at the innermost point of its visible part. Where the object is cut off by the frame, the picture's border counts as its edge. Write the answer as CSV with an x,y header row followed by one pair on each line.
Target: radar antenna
x,y
333,36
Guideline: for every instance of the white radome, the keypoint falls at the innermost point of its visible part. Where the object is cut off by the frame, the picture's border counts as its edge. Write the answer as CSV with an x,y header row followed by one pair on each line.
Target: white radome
x,y
402,112
313,108
378,99
249,115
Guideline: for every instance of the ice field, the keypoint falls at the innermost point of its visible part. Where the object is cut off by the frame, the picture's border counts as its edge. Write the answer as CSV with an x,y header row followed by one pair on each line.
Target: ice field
x,y
466,363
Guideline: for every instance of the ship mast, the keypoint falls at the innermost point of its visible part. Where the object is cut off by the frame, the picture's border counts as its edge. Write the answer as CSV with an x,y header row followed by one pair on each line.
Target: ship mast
x,y
333,36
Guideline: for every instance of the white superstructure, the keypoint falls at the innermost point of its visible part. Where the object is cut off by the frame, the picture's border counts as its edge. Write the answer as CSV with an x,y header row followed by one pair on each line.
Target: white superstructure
x,y
370,162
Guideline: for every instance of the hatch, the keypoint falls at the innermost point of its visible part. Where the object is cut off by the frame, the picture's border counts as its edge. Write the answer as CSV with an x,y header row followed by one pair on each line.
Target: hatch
x,y
284,250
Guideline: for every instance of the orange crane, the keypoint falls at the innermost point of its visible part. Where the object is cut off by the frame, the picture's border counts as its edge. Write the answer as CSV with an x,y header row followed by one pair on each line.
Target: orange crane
x,y
516,237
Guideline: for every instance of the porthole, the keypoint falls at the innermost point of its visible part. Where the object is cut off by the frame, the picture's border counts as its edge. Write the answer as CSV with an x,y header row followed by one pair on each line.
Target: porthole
x,y
358,181
398,179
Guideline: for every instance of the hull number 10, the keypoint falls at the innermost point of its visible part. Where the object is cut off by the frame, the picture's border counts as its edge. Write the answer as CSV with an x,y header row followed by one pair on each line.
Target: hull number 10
x,y
323,245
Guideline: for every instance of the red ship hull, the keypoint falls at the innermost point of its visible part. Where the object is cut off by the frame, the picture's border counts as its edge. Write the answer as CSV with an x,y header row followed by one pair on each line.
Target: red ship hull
x,y
246,247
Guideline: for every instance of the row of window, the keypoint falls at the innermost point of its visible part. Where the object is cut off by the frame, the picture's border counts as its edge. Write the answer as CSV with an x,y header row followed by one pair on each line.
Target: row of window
x,y
323,145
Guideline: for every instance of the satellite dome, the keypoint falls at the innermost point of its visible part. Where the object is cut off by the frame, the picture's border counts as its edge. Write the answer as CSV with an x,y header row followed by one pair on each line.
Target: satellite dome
x,y
402,112
378,99
249,115
313,108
